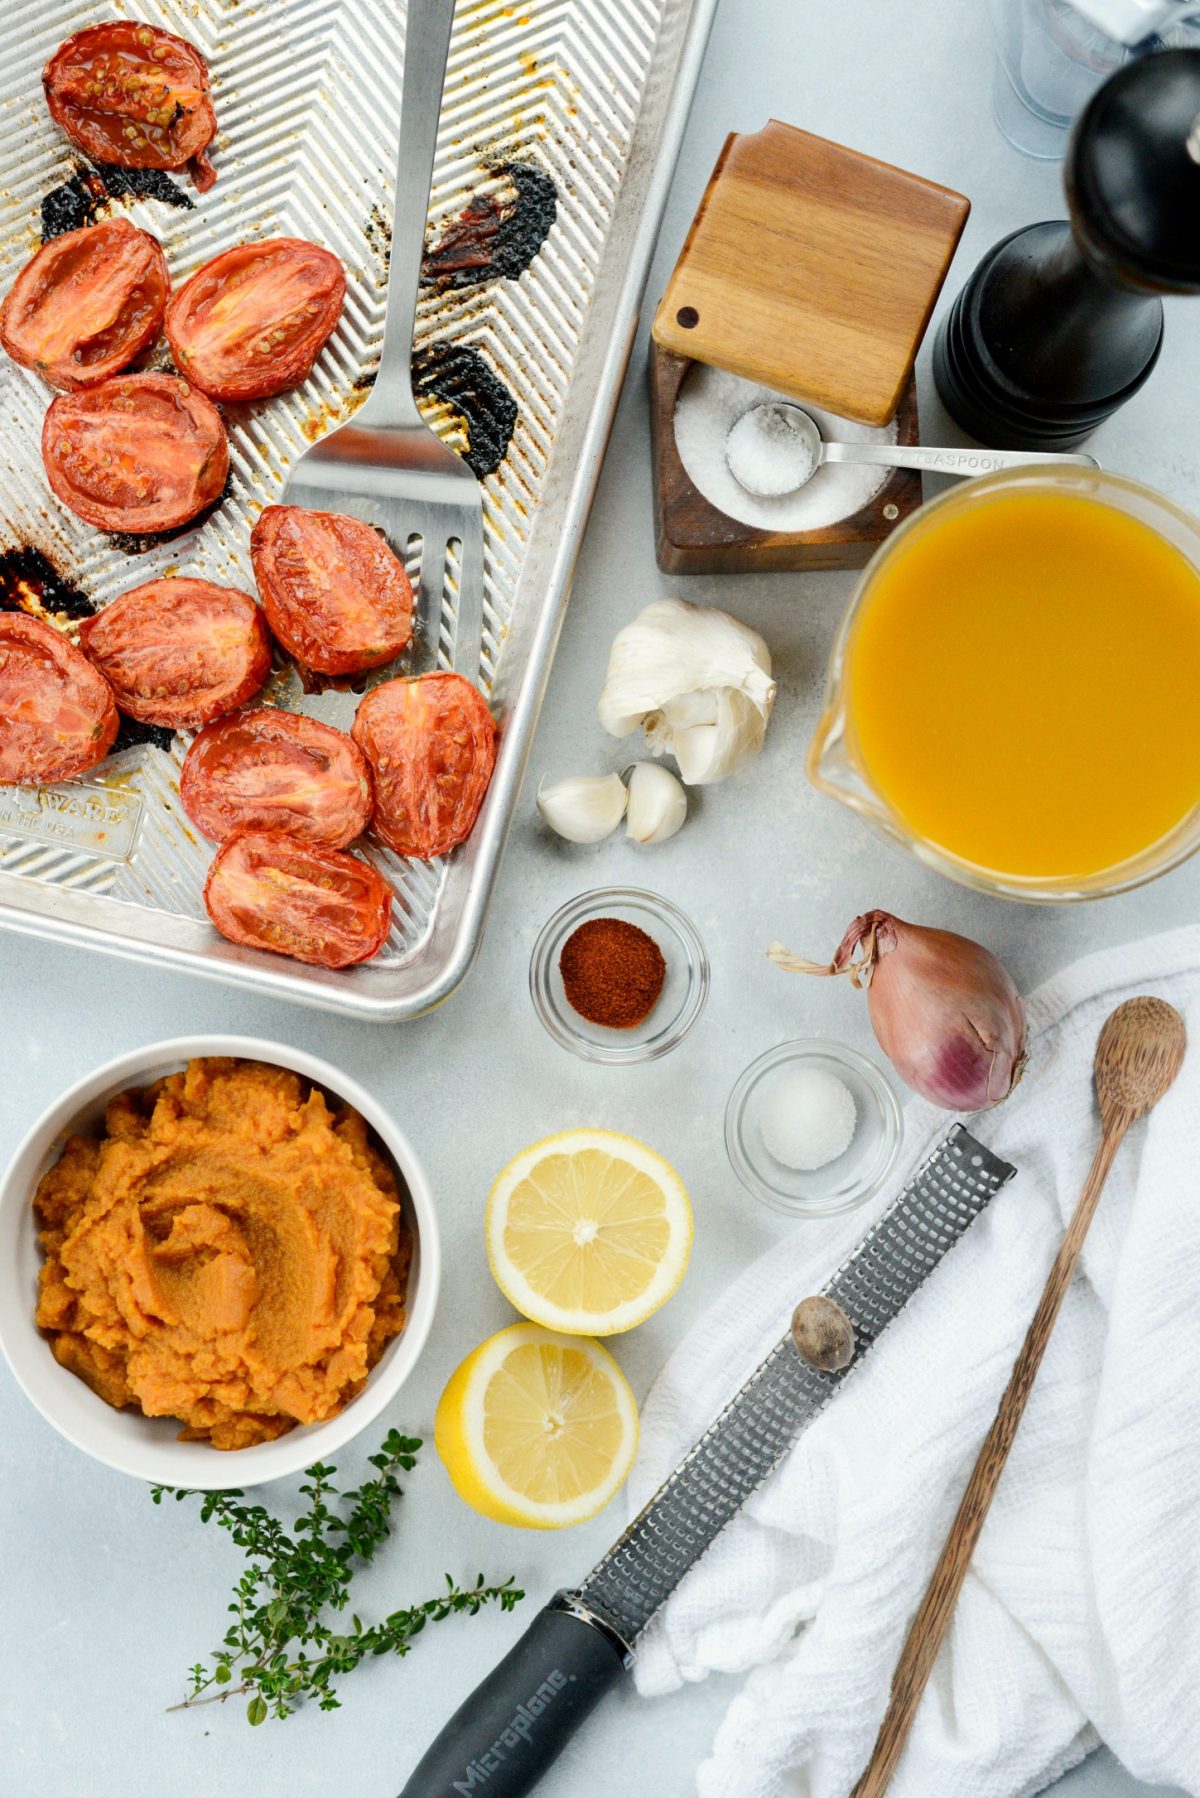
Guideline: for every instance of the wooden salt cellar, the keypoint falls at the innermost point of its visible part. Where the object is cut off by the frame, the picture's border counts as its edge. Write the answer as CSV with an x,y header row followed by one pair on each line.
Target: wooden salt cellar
x,y
812,270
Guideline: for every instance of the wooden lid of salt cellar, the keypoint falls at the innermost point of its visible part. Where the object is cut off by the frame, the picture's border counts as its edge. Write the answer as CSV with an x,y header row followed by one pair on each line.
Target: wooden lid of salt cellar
x,y
812,269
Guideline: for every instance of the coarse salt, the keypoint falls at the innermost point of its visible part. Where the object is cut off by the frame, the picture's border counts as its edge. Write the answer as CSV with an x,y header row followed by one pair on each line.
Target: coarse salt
x,y
807,1118
766,454
710,403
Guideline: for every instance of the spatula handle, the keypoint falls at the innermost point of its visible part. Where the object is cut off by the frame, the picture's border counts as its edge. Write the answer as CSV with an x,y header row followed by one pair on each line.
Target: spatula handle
x,y
933,1618
426,49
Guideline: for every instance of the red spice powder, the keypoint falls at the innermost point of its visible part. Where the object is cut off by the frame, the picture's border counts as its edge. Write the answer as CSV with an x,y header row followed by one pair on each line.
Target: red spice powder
x,y
612,973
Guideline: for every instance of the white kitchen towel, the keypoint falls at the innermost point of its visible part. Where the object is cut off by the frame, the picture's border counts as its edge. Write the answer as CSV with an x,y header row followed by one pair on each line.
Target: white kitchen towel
x,y
1080,1617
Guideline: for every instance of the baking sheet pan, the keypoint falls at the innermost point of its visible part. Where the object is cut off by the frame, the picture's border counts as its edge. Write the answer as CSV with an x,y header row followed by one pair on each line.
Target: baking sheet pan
x,y
594,94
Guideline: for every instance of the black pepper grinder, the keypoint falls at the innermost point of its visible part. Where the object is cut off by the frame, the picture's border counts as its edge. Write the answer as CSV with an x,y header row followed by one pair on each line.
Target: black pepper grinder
x,y
1062,322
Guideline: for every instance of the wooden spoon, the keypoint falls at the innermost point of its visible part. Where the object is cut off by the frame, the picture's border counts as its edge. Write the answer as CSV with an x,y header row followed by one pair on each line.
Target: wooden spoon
x,y
1138,1055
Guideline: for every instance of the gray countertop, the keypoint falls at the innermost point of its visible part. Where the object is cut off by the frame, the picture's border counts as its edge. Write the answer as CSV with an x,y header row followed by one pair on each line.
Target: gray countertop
x,y
107,1600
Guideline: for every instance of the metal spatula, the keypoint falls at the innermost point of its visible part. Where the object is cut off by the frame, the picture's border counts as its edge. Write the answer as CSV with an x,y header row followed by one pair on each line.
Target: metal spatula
x,y
386,466
500,1742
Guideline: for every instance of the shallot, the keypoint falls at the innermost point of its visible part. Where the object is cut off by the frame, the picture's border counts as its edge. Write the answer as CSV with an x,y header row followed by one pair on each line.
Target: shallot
x,y
945,1011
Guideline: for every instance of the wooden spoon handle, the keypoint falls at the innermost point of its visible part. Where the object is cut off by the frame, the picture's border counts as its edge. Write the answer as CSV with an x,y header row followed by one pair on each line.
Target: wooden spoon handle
x,y
933,1618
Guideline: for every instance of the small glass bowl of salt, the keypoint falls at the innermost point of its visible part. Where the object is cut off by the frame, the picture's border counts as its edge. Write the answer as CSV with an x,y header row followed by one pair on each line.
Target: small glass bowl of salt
x,y
812,1128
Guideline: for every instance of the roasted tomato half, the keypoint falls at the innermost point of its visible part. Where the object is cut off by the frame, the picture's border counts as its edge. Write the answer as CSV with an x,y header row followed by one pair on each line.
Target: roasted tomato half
x,y
335,595
431,743
87,304
179,652
269,890
136,453
131,94
57,714
271,770
252,321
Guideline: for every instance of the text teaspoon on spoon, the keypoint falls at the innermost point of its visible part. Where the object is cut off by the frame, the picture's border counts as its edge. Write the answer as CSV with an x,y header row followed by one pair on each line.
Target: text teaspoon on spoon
x,y
775,448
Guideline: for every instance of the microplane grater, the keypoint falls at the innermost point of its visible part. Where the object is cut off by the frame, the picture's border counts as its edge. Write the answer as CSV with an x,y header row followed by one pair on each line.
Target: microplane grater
x,y
759,1425
517,1721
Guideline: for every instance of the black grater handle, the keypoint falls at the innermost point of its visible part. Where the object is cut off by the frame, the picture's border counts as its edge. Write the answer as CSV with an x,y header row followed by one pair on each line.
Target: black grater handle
x,y
519,1720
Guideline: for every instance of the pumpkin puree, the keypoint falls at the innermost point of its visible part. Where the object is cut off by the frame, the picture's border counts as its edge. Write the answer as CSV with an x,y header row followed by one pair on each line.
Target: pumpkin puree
x,y
230,1252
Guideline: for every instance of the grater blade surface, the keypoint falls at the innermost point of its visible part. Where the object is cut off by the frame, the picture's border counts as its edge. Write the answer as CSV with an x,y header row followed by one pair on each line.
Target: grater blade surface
x,y
758,1426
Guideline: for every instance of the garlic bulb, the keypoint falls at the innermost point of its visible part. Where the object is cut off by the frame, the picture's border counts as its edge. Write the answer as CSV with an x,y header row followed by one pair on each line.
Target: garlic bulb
x,y
585,809
697,680
657,803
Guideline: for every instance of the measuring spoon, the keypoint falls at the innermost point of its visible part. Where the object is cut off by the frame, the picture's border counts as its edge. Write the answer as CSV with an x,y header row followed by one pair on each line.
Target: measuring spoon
x,y
793,443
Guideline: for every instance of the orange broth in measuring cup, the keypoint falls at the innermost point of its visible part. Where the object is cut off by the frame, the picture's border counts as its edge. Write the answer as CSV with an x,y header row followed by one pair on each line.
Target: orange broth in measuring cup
x,y
1023,684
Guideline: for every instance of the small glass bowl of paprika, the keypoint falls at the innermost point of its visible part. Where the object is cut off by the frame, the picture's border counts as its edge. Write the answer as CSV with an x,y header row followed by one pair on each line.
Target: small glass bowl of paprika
x,y
627,1003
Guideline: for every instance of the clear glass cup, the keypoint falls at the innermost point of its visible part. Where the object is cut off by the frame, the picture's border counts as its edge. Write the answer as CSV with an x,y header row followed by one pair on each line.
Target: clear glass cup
x,y
848,1180
835,769
680,1003
1050,59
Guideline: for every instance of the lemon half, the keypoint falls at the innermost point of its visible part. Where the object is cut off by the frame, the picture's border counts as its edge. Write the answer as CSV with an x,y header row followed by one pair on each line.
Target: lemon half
x,y
537,1429
588,1232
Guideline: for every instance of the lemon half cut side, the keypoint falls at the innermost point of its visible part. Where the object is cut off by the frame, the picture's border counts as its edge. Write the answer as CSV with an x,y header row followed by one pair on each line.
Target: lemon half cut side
x,y
588,1232
536,1429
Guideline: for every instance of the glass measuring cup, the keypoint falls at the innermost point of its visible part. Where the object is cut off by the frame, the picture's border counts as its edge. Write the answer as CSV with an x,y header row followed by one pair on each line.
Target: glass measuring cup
x,y
1050,58
837,767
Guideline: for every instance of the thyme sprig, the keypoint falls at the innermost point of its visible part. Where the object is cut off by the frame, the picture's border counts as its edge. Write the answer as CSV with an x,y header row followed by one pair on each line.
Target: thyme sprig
x,y
281,1647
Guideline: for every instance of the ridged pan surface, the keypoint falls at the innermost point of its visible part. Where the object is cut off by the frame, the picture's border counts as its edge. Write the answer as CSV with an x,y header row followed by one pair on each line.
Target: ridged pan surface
x,y
589,95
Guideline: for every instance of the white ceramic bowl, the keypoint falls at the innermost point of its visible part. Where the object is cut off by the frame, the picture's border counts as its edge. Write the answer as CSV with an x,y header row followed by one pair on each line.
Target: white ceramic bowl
x,y
146,1446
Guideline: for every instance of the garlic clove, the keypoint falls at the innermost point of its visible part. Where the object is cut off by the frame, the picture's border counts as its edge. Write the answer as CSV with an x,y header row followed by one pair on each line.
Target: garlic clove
x,y
585,808
657,803
708,749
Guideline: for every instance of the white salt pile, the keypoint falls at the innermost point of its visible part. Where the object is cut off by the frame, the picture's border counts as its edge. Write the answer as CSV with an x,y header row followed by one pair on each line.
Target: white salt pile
x,y
807,1119
710,403
766,452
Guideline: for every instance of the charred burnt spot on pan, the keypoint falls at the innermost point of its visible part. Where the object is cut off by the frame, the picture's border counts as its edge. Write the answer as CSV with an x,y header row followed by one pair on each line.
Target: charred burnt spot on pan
x,y
143,184
457,375
498,234
29,582
132,735
75,203
80,200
